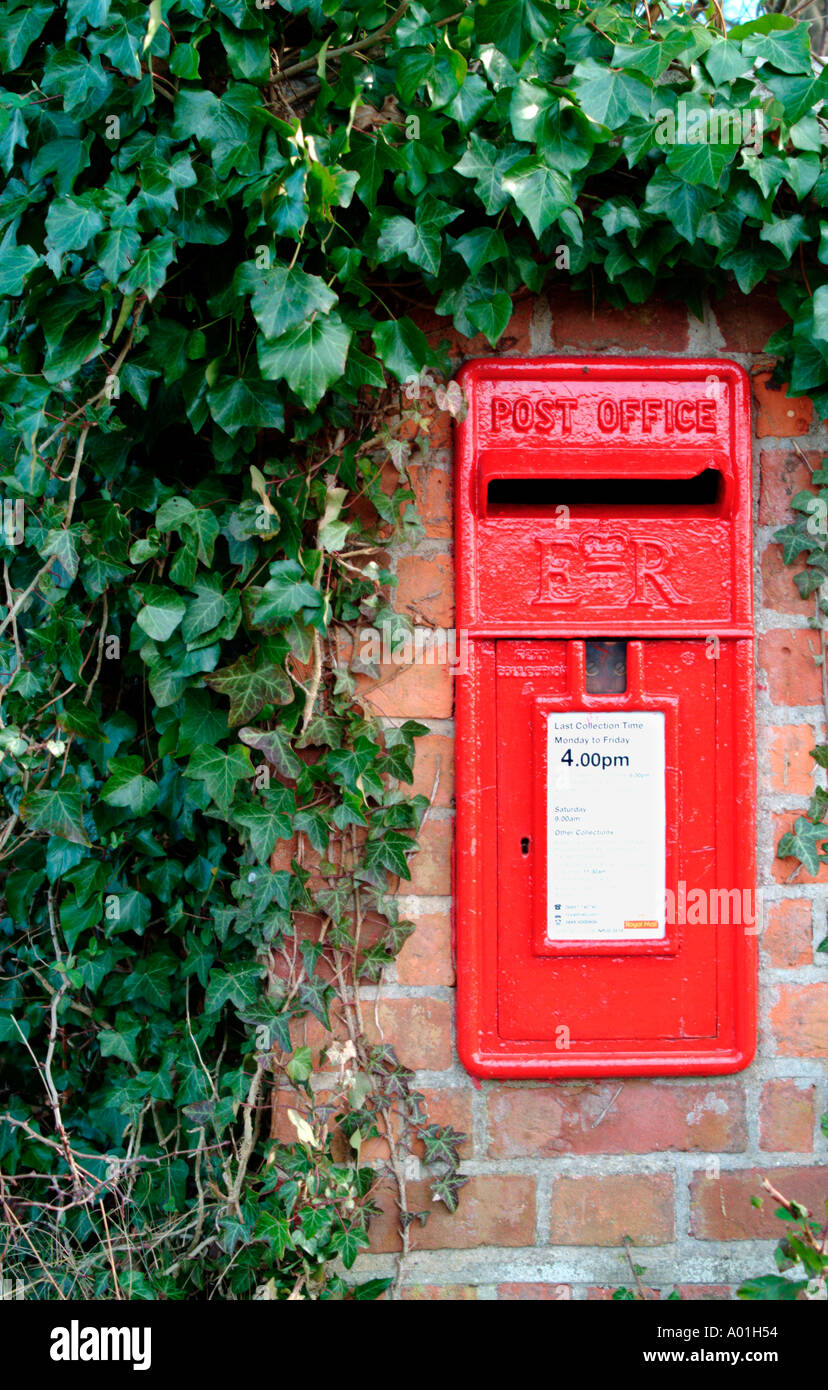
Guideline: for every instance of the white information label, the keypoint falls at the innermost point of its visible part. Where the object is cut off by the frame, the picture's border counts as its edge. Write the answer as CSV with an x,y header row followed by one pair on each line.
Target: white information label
x,y
606,826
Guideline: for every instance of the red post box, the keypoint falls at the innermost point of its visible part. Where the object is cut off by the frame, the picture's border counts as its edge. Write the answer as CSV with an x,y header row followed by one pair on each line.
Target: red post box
x,y
605,907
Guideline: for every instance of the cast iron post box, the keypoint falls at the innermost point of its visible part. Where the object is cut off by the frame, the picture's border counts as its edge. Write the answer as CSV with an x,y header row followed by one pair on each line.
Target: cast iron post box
x,y
605,903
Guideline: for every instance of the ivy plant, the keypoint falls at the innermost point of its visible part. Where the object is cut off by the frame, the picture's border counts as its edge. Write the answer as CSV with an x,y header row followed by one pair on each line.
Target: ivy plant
x,y
216,219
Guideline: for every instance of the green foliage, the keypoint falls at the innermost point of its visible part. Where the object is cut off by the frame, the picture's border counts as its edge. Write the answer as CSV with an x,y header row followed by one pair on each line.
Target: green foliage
x,y
802,1249
805,542
208,258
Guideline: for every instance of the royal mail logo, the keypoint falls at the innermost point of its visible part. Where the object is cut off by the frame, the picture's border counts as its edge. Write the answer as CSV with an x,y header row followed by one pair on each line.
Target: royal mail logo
x,y
627,569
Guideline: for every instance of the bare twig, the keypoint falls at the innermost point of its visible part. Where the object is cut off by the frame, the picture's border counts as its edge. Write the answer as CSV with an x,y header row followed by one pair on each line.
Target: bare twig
x,y
367,42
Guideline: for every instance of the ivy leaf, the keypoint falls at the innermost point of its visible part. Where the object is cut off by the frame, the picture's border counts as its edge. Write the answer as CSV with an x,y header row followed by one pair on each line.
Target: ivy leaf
x,y
276,1231
286,593
820,312
268,822
276,746
402,347
682,203
62,545
19,30
285,296
388,851
481,246
788,51
77,718
120,1043
371,1289
785,233
610,95
246,403
150,980
149,271
57,812
703,163
240,984
771,1286
310,357
162,612
349,764
471,101
249,684
128,787
16,262
793,541
207,609
803,843
491,316
71,224
248,53
487,165
220,772
117,251
512,26
348,1241
419,240
541,193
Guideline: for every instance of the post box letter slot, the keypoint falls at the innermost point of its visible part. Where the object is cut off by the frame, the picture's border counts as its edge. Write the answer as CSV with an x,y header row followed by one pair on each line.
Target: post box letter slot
x,y
704,490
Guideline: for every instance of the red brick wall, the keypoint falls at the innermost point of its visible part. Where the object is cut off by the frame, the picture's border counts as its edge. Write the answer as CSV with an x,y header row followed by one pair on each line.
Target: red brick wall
x,y
560,1173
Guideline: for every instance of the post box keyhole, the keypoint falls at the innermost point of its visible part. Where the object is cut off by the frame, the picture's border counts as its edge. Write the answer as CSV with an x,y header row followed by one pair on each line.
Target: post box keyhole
x,y
606,667
524,845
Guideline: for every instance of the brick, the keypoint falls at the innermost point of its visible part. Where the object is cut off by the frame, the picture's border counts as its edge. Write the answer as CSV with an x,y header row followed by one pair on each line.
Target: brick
x,y
431,1293
779,593
658,324
783,473
693,1292
432,494
432,427
420,690
433,755
615,1117
790,764
425,589
799,1020
605,1293
603,1210
533,1293
777,413
425,959
720,1208
786,1116
746,322
517,335
495,1209
419,1029
787,934
786,869
787,658
431,865
451,1106
440,329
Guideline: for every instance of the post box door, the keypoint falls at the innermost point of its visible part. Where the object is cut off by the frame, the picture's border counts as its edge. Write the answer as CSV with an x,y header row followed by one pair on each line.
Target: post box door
x,y
610,994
